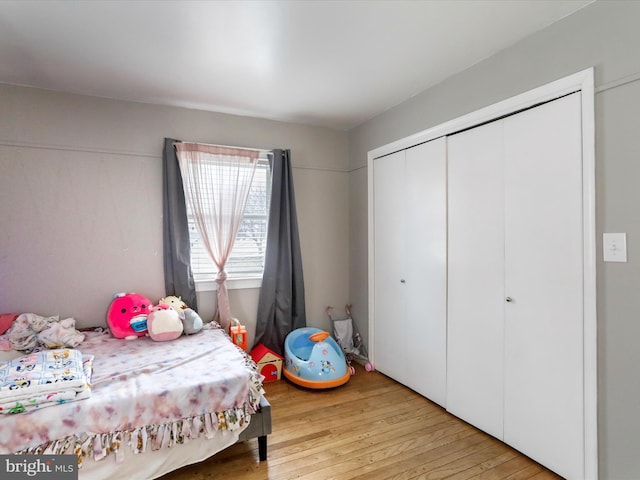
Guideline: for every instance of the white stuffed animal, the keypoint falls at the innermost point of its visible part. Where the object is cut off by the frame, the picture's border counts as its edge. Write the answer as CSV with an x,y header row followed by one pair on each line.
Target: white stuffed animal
x,y
163,323
191,321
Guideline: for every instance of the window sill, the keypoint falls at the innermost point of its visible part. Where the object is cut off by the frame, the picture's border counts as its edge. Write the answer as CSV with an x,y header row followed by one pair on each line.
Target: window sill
x,y
232,284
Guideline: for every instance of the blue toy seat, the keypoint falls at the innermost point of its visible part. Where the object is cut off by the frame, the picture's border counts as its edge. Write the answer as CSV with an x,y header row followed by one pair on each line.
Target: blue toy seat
x,y
314,360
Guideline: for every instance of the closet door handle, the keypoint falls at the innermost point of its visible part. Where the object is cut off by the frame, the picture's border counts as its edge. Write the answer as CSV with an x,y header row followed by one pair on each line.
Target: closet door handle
x,y
509,299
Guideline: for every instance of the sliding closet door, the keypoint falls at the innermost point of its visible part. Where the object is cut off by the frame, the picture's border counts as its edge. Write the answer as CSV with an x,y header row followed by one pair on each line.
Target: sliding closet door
x,y
543,407
515,333
390,321
476,277
409,250
426,277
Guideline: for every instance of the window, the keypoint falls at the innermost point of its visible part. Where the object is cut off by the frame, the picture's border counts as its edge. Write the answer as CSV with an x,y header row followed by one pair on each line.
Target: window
x,y
247,258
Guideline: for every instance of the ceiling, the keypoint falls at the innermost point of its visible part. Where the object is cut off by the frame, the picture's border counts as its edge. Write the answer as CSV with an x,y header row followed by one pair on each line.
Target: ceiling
x,y
327,63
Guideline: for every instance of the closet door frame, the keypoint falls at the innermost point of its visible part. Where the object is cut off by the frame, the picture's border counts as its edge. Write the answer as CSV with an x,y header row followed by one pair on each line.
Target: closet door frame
x,y
583,82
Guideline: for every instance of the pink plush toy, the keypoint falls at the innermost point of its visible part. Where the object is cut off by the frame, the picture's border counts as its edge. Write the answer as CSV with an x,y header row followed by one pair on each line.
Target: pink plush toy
x,y
164,323
127,315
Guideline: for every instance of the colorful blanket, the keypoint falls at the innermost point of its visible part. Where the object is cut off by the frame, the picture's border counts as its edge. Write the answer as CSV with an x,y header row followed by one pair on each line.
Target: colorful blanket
x,y
145,395
43,379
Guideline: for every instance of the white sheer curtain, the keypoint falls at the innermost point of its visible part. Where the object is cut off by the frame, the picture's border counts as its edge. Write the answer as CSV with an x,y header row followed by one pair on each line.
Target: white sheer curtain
x,y
216,183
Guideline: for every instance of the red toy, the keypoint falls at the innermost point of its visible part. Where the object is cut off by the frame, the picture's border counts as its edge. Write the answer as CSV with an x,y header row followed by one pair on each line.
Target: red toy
x,y
127,315
269,362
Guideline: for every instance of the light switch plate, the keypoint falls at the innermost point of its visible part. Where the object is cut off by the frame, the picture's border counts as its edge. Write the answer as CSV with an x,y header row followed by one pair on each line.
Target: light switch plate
x,y
615,247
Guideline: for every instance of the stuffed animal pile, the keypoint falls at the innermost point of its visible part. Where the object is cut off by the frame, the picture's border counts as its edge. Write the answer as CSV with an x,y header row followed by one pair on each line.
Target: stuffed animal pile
x,y
132,315
190,319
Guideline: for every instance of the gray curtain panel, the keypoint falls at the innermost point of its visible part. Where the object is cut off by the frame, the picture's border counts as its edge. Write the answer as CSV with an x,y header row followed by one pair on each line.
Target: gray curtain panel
x,y
281,306
178,277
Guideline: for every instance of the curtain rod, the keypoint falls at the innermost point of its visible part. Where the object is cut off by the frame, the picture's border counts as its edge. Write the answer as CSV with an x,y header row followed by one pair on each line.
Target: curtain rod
x,y
261,150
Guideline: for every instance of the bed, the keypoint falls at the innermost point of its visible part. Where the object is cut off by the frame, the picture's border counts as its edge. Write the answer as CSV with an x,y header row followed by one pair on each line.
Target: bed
x,y
154,407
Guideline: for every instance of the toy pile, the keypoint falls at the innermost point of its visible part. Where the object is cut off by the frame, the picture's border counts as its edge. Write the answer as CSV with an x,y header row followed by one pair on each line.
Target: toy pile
x,y
132,315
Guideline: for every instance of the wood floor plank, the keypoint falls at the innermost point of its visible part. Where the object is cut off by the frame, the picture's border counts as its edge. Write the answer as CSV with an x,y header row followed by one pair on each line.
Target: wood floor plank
x,y
365,435
473,465
403,465
516,468
530,469
545,475
368,429
351,463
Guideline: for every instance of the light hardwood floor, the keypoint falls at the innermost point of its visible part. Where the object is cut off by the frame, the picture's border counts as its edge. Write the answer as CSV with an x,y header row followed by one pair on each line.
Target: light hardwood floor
x,y
371,428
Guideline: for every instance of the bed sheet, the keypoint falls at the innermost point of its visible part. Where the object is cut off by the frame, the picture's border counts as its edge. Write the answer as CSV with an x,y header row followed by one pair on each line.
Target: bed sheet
x,y
146,395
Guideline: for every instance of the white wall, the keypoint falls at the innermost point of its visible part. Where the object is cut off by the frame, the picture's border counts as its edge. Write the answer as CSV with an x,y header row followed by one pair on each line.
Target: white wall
x,y
604,35
81,202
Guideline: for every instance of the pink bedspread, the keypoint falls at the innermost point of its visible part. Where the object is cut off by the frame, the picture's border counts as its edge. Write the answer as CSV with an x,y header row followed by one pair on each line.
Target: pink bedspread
x,y
145,394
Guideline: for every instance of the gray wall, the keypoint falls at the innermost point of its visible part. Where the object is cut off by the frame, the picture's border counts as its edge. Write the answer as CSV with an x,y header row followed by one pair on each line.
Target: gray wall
x,y
81,203
604,35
